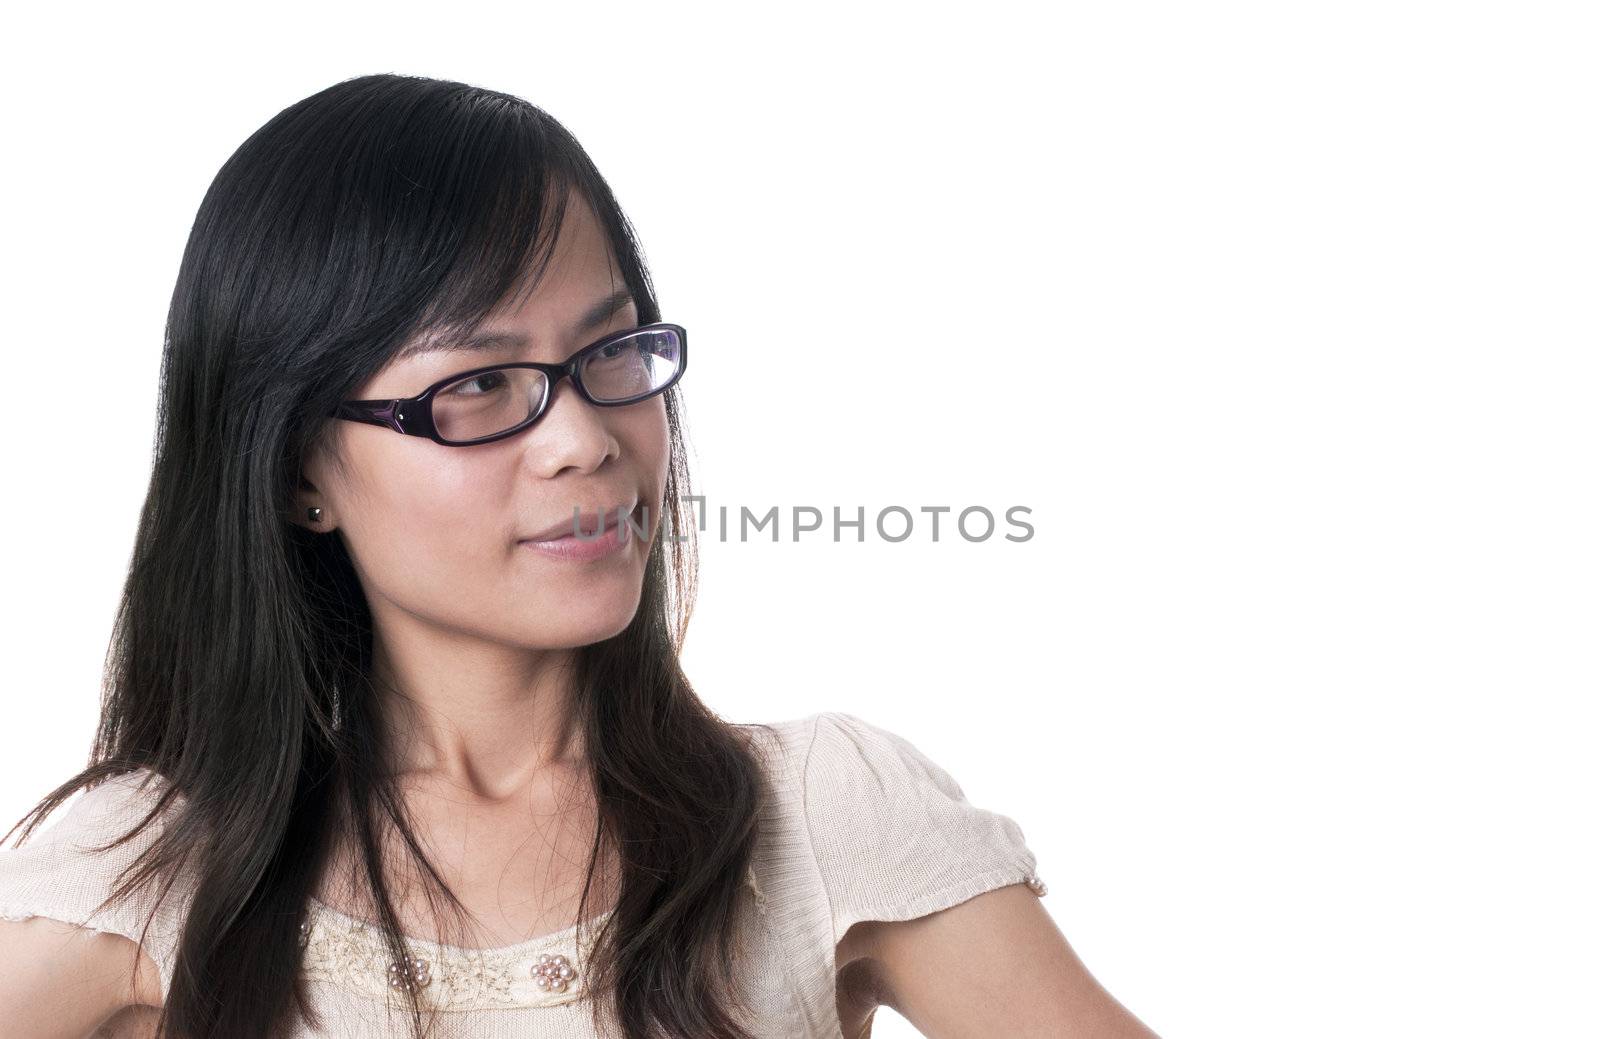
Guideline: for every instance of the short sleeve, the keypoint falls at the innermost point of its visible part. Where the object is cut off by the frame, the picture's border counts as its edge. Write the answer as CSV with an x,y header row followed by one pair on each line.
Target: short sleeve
x,y
893,833
55,874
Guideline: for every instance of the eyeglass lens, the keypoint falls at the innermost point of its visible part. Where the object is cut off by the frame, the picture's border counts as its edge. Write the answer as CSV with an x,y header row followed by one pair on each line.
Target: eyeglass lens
x,y
623,371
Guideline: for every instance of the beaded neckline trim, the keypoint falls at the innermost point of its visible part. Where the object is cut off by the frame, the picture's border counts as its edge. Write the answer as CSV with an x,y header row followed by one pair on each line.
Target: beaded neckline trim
x,y
351,954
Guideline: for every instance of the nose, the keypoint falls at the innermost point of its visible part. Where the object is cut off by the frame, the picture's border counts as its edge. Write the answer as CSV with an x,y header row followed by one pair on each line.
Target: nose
x,y
571,434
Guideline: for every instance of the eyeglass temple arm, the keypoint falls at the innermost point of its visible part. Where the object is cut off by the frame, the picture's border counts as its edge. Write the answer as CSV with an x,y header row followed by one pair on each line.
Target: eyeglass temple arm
x,y
377,412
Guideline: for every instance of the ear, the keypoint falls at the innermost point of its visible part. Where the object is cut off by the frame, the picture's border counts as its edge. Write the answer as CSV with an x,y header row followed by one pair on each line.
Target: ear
x,y
308,502
314,518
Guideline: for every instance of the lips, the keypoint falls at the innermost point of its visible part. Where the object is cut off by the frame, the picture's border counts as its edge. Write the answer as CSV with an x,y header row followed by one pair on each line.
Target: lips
x,y
590,522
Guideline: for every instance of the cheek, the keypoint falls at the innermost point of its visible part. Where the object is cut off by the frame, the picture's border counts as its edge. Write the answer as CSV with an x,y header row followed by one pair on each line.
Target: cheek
x,y
649,440
422,524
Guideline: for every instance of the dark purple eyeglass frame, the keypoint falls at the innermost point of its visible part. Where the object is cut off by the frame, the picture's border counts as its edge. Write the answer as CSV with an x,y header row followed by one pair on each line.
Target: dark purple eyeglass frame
x,y
414,415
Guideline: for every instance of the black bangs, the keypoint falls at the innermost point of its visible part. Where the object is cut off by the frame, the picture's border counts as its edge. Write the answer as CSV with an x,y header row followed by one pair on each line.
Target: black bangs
x,y
463,209
385,209
469,200
476,196
496,233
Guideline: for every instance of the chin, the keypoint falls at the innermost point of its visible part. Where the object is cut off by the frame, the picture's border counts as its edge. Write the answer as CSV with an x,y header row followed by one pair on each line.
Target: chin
x,y
594,623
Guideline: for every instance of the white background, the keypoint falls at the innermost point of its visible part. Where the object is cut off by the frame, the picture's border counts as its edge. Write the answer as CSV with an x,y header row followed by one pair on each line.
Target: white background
x,y
1281,319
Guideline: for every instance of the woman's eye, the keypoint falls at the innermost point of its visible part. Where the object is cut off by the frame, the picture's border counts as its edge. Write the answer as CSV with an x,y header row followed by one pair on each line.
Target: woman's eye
x,y
494,381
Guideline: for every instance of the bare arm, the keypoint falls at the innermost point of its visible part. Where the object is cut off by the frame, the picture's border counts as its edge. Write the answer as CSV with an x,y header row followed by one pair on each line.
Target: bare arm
x,y
61,981
993,965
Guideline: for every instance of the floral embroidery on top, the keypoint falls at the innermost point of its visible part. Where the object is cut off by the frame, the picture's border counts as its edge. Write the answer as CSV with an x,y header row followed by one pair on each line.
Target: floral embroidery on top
x,y
410,974
553,972
351,954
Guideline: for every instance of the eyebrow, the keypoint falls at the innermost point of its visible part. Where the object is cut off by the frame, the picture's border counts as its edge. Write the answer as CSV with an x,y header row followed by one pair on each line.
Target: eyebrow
x,y
593,318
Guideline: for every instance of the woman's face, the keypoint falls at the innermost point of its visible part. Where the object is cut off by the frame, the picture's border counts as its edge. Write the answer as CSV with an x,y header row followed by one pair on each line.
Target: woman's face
x,y
436,533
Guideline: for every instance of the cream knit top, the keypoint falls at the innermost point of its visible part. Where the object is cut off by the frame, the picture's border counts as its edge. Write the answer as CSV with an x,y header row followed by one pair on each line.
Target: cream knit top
x,y
860,825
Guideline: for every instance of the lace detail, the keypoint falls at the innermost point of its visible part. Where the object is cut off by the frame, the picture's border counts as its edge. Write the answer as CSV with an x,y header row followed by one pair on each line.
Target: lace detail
x,y
351,954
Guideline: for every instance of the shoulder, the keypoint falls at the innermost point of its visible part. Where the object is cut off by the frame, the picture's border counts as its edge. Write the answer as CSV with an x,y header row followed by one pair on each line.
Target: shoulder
x,y
61,878
833,747
102,811
889,831
75,833
850,772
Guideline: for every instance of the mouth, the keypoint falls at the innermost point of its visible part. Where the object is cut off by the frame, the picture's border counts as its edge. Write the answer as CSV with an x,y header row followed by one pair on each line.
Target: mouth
x,y
586,527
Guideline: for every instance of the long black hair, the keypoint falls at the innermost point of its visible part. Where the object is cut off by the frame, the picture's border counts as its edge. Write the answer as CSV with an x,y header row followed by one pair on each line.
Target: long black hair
x,y
374,211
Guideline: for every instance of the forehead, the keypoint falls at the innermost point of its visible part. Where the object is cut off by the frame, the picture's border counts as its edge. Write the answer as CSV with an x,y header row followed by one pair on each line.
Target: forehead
x,y
581,267
579,289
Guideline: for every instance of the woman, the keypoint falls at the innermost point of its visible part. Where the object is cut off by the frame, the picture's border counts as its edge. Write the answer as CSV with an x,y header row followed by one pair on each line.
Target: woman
x,y
395,730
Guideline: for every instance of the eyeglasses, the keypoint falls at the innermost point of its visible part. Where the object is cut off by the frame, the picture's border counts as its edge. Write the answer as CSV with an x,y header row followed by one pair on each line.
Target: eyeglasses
x,y
490,403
